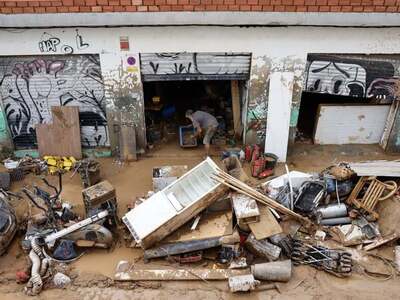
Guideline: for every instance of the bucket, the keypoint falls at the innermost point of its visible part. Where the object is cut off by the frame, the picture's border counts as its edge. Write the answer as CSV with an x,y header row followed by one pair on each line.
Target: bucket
x,y
270,160
273,271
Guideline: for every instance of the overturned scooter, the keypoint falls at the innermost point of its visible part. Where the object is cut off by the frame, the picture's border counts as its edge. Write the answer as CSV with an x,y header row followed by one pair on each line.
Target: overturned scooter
x,y
36,244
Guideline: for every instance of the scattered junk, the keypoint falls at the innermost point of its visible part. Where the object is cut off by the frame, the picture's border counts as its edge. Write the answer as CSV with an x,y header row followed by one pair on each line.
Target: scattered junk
x,y
262,248
189,246
242,283
61,280
101,196
368,192
8,222
89,171
273,271
268,228
246,209
336,262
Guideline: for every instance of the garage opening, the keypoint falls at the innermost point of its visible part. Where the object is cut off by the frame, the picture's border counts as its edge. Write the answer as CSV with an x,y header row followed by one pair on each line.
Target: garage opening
x,y
176,82
346,99
166,103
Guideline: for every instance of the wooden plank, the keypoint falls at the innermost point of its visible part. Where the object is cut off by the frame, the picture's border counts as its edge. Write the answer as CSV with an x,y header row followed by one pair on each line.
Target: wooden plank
x,y
350,124
113,129
236,108
381,241
278,115
127,143
394,107
377,168
62,137
179,274
267,226
210,225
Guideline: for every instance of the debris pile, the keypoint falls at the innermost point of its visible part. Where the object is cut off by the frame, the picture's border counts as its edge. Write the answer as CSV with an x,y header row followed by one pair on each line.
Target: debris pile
x,y
291,220
318,220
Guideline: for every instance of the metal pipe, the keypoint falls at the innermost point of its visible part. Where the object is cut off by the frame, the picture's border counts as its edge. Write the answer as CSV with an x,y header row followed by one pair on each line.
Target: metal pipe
x,y
56,235
332,211
273,271
336,221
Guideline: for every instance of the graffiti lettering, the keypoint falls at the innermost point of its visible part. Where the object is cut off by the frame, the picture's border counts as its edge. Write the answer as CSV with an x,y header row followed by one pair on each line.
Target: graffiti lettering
x,y
80,44
49,45
29,87
67,49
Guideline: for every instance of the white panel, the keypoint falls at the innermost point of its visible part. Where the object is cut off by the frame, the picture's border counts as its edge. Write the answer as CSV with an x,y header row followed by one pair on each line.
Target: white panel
x,y
278,117
149,215
350,124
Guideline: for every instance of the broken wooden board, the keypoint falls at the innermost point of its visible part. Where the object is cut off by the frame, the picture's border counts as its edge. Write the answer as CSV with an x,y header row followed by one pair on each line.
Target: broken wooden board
x,y
127,142
246,209
381,241
63,136
179,274
237,124
267,225
383,168
211,224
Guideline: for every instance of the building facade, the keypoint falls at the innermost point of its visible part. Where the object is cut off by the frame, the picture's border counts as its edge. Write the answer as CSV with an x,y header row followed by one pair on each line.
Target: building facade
x,y
100,55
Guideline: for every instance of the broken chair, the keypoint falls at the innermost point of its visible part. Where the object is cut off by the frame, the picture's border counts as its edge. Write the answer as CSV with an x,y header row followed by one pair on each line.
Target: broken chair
x,y
368,192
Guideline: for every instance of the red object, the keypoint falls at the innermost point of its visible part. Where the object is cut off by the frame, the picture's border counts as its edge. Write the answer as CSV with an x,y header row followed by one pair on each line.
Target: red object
x,y
256,153
248,153
21,277
257,167
265,173
191,257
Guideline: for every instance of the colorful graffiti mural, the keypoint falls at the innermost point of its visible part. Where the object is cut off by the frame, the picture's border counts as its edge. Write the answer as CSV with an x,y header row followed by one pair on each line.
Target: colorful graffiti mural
x,y
29,86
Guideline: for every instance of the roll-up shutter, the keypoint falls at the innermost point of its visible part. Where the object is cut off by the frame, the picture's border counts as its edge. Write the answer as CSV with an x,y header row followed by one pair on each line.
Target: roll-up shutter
x,y
372,77
195,66
30,85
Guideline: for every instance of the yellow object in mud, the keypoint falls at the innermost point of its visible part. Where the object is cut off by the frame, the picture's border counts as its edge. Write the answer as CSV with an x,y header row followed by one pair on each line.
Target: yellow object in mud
x,y
56,163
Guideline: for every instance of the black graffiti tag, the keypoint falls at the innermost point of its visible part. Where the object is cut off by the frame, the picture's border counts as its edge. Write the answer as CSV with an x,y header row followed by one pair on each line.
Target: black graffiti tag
x,y
80,44
49,45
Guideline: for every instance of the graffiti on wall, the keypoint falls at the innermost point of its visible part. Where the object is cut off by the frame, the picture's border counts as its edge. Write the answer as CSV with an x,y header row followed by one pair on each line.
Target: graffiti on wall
x,y
49,43
29,86
355,77
195,64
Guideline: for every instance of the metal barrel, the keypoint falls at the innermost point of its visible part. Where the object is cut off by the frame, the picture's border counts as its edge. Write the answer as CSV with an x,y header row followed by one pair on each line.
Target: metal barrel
x,y
336,221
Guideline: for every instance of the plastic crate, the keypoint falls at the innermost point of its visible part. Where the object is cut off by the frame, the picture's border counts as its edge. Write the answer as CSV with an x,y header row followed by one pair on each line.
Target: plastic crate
x,y
185,131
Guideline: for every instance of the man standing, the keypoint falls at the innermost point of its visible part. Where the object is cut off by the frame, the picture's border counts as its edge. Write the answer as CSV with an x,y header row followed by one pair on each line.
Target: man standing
x,y
204,123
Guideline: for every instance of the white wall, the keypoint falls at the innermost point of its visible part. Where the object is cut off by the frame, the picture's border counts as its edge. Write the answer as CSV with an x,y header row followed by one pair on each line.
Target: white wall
x,y
273,48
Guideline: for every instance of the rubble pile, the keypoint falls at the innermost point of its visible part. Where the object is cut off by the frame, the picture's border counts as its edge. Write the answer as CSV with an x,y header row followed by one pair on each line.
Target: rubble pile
x,y
319,220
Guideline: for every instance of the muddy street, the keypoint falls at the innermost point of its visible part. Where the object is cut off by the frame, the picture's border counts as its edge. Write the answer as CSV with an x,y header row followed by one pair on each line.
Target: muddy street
x,y
93,273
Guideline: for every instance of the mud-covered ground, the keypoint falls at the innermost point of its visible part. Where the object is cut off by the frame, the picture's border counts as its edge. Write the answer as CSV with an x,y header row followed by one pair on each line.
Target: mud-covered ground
x,y
94,271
